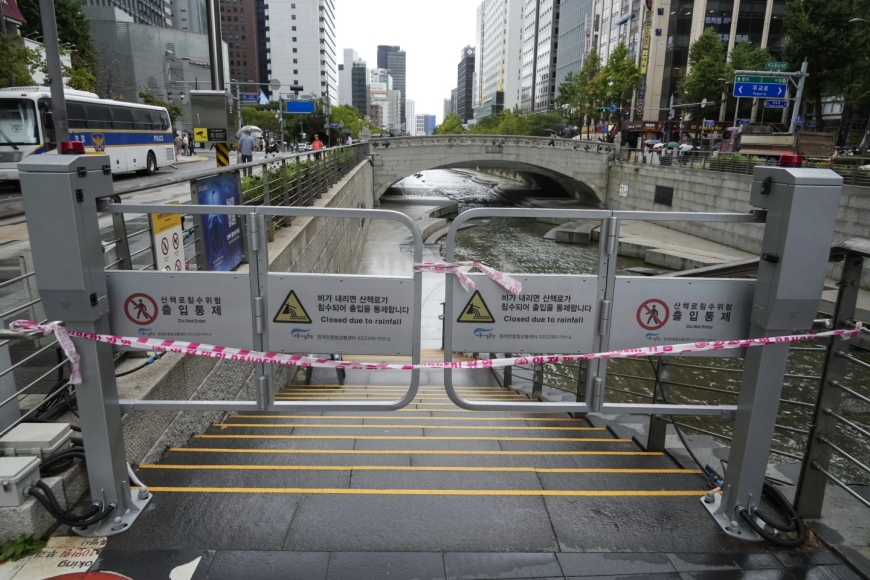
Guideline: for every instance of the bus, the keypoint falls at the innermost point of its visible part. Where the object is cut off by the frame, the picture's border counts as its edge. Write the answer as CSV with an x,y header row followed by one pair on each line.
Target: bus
x,y
136,137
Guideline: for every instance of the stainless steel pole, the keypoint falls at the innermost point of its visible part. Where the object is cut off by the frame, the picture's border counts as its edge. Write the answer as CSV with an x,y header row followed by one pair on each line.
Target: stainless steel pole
x,y
55,72
798,96
215,50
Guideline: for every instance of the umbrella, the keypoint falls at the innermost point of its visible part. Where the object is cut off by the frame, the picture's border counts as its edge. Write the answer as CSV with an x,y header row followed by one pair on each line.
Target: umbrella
x,y
550,130
256,132
673,144
659,145
345,132
653,141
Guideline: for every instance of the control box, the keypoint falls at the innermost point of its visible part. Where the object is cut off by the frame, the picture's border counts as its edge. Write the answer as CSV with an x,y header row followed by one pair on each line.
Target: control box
x,y
35,439
16,475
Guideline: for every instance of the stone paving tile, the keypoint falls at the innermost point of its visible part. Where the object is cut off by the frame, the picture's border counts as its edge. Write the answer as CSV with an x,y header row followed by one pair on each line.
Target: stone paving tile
x,y
692,562
602,564
478,566
147,564
231,565
381,565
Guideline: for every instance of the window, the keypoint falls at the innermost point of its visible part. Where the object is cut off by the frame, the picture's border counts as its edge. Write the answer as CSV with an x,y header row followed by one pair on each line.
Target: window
x,y
142,120
294,39
293,28
292,17
295,60
75,113
98,116
159,120
292,6
294,50
122,117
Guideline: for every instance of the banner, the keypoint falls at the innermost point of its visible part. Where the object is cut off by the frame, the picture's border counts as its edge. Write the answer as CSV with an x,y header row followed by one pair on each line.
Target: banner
x,y
221,233
644,63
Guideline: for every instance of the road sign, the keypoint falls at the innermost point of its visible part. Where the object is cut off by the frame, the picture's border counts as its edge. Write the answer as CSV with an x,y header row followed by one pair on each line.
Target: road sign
x,y
810,124
210,307
300,106
250,97
612,107
650,311
775,104
333,126
340,314
776,65
167,232
217,135
766,87
200,134
798,121
274,84
553,313
709,123
744,121
766,80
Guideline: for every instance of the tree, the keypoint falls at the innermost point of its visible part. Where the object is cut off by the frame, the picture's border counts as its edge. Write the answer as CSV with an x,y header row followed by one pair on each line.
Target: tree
x,y
265,120
18,60
349,115
73,29
173,109
618,80
743,57
588,95
707,66
452,125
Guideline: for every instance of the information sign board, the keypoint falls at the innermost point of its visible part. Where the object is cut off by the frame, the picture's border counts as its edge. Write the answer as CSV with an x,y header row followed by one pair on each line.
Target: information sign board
x,y
658,311
300,106
770,104
168,241
222,233
333,313
776,65
552,314
759,88
206,307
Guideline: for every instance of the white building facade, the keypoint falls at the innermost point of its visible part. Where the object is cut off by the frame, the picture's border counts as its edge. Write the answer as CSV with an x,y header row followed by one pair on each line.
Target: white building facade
x,y
410,117
498,59
345,84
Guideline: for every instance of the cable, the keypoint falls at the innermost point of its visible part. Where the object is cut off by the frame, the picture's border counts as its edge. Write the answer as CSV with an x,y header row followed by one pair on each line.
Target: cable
x,y
156,357
46,497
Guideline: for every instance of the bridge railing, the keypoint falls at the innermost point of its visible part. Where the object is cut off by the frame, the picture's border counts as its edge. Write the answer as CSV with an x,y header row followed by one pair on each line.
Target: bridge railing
x,y
496,141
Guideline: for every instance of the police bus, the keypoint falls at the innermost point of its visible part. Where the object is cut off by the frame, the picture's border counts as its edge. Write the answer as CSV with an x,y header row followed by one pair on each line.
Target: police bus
x,y
136,137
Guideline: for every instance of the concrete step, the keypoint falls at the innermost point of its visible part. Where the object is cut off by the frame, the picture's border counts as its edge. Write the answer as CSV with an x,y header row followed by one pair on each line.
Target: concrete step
x,y
679,260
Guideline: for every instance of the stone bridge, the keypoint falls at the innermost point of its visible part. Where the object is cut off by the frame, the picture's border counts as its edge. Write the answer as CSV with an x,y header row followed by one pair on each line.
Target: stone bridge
x,y
580,167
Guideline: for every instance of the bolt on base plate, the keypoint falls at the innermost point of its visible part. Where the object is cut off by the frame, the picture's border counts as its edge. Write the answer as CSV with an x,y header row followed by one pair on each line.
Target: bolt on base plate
x,y
735,528
114,523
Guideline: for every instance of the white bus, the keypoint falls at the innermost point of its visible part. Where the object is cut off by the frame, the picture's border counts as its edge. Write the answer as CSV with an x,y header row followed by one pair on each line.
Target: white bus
x,y
136,137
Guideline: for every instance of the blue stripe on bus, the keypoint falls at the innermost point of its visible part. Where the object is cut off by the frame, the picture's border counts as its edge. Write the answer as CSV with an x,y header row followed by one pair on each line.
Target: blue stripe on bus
x,y
99,141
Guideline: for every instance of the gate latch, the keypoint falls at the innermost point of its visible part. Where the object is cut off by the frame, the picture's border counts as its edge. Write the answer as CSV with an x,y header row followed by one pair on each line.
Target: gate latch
x,y
772,258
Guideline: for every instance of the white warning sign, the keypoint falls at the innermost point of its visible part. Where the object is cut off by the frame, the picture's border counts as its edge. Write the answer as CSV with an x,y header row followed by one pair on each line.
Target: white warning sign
x,y
651,311
333,314
168,241
552,314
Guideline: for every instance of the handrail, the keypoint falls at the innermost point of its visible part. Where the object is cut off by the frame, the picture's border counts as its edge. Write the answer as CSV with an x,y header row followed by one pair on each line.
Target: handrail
x,y
16,279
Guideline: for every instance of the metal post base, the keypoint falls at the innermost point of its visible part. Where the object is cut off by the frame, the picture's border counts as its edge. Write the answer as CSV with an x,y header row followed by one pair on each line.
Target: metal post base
x,y
741,531
117,523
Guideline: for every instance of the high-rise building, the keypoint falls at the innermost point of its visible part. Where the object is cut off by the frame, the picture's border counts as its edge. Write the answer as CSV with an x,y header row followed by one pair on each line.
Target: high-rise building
x,y
153,12
359,80
380,87
448,108
575,37
395,105
239,31
345,84
465,84
377,114
498,55
392,58
453,100
190,16
540,36
301,49
424,124
411,119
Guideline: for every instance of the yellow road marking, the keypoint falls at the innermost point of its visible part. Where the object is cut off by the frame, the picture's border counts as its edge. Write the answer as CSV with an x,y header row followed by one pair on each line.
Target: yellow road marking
x,y
348,426
408,452
414,438
467,492
422,468
393,418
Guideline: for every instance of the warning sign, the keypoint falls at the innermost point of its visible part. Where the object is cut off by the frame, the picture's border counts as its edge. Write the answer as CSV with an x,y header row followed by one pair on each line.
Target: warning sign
x,y
553,314
291,310
167,231
476,310
200,134
140,308
650,311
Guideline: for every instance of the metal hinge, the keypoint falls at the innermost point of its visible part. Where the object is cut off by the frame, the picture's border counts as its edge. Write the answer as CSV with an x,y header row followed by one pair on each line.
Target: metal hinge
x,y
253,230
612,237
82,171
80,195
107,169
258,315
94,299
772,258
604,309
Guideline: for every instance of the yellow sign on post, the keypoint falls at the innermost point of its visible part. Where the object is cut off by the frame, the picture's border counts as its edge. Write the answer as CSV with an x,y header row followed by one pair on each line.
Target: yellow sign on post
x,y
168,241
200,134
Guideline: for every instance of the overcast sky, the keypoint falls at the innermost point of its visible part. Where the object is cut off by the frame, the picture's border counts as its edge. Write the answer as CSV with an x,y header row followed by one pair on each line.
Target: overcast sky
x,y
431,33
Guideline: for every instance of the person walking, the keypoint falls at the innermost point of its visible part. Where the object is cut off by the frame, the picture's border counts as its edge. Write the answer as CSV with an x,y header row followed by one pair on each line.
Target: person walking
x,y
246,150
184,143
317,145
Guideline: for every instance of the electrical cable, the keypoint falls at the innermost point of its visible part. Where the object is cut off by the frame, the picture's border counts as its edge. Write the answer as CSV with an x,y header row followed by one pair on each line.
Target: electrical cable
x,y
46,497
152,359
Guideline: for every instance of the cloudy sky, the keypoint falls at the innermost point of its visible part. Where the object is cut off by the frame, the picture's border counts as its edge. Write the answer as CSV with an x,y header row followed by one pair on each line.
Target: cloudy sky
x,y
432,34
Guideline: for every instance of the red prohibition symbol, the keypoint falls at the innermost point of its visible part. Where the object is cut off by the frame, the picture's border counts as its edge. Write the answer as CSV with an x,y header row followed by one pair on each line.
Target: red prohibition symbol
x,y
140,309
653,314
175,241
164,246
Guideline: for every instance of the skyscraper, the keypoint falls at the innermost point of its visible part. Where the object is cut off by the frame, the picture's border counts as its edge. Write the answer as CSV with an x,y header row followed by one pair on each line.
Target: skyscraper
x,y
153,12
359,80
301,49
411,119
464,84
392,58
239,31
345,69
498,54
424,124
448,108
540,26
190,16
575,37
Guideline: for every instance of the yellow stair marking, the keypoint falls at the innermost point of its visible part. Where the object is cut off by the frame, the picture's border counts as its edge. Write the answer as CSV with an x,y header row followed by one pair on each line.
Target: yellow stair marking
x,y
349,426
392,418
423,468
465,492
408,451
415,438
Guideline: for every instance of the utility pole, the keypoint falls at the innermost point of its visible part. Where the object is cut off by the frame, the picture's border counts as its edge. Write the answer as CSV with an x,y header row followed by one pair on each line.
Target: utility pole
x,y
798,96
239,104
55,72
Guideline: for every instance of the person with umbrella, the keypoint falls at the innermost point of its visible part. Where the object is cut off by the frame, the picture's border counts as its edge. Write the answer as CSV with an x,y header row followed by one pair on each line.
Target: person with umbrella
x,y
317,145
246,150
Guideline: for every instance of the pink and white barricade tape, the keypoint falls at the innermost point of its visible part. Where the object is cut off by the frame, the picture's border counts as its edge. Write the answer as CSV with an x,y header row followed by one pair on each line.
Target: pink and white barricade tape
x,y
251,356
63,339
503,280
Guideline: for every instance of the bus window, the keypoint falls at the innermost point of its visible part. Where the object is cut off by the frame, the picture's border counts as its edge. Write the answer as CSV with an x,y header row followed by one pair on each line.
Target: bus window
x,y
98,116
141,119
123,118
18,122
158,121
75,114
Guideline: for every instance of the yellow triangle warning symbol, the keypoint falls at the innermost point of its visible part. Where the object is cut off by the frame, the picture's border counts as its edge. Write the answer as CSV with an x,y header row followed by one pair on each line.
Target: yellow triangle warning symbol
x,y
476,310
292,311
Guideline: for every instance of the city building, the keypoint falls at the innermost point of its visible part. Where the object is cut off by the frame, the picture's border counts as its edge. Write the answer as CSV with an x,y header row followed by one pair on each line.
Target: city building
x,y
301,49
497,56
395,106
465,84
377,114
453,100
190,15
411,119
239,31
540,26
448,108
345,83
392,58
380,87
359,78
151,12
424,124
576,18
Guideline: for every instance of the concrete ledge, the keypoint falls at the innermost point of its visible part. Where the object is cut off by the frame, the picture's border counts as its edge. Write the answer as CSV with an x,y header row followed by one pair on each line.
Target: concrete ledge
x,y
676,260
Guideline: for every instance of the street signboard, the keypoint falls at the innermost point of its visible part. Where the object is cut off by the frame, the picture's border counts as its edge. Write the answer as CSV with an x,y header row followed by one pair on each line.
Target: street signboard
x,y
300,106
776,65
553,313
744,121
798,121
274,84
168,241
334,313
206,307
753,86
709,123
653,311
810,124
218,135
612,107
775,104
250,99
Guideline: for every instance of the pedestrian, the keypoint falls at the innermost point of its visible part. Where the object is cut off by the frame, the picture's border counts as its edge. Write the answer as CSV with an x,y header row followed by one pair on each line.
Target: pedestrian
x,y
246,150
317,145
184,144
645,151
177,144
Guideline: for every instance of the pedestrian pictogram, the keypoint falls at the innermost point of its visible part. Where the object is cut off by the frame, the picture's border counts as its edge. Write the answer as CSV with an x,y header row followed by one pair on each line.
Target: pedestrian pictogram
x,y
176,240
292,311
476,310
140,309
653,314
177,265
164,246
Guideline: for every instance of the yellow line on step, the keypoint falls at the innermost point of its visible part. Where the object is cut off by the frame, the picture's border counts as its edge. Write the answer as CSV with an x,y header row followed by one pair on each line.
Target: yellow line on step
x,y
415,438
453,492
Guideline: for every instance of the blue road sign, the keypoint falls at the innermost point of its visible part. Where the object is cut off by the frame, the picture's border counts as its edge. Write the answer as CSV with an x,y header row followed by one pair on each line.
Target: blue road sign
x,y
744,121
776,104
612,107
810,124
300,106
254,97
761,90
799,121
709,123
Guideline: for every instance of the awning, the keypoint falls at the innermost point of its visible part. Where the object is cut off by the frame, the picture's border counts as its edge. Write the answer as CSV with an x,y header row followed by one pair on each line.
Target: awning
x,y
11,11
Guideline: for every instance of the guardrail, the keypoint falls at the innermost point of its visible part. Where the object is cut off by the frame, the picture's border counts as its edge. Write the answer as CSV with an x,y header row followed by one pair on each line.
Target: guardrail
x,y
496,141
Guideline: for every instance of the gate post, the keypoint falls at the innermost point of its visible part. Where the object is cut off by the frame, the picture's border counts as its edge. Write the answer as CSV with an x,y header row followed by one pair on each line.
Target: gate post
x,y
60,201
537,380
658,425
801,212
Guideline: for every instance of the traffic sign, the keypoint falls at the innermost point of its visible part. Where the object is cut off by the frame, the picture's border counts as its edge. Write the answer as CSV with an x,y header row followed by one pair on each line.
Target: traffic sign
x,y
167,232
798,121
140,309
250,97
759,88
810,124
776,65
767,80
709,123
274,84
300,106
744,121
776,104
612,107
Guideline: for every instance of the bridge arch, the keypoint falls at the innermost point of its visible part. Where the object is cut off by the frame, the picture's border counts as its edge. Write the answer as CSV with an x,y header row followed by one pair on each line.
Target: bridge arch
x,y
580,167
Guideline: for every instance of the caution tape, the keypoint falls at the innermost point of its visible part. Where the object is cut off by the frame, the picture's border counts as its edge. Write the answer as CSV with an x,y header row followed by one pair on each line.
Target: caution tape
x,y
63,339
503,280
252,356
